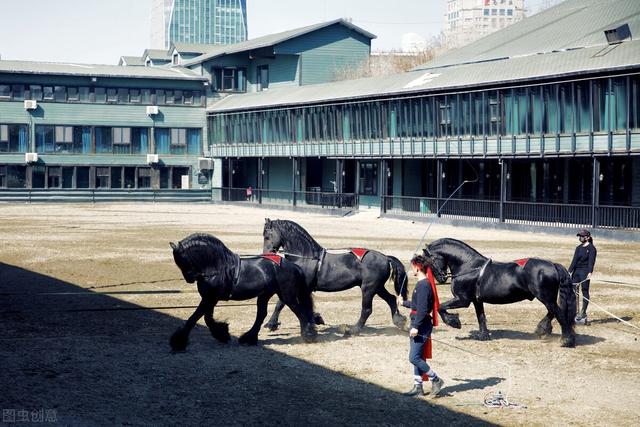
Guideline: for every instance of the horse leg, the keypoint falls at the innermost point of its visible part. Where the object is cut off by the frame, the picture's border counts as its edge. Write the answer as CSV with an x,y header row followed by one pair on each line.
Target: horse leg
x,y
180,338
398,319
482,321
368,293
219,330
450,319
273,322
544,327
251,336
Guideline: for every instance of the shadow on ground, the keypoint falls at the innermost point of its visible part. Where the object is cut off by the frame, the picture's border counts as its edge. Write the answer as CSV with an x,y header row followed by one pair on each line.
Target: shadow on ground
x,y
94,365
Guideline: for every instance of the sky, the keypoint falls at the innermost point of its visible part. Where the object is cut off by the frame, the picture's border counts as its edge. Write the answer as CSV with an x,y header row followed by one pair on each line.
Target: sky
x,y
100,31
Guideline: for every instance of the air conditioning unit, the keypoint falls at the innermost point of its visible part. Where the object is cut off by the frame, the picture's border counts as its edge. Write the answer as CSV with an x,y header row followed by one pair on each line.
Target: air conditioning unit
x,y
152,110
30,158
30,104
153,159
205,164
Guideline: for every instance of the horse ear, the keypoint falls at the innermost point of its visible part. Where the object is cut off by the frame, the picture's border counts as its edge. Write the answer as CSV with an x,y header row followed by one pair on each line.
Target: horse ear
x,y
173,246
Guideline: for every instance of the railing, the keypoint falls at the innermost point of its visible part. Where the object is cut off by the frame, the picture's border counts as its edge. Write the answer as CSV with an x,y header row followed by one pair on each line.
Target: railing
x,y
524,213
346,201
99,195
618,217
548,214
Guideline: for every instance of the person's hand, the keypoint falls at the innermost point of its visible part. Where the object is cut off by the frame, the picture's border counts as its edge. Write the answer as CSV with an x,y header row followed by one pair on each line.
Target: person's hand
x,y
413,332
588,276
399,300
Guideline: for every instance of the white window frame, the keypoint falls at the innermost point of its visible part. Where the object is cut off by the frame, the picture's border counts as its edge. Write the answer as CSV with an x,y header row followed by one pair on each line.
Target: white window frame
x,y
4,133
178,137
64,134
122,136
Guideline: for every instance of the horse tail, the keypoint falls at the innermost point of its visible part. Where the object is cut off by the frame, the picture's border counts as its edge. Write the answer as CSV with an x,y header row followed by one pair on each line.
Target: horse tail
x,y
567,296
399,276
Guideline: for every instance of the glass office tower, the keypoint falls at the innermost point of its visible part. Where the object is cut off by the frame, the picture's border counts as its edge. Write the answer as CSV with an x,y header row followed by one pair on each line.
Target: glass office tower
x,y
198,21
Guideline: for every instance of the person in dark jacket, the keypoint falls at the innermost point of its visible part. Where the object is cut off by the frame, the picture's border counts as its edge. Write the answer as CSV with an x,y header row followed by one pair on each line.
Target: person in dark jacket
x,y
581,269
421,305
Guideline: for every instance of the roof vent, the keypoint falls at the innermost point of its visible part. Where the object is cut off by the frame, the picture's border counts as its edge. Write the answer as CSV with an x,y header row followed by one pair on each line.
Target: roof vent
x,y
618,35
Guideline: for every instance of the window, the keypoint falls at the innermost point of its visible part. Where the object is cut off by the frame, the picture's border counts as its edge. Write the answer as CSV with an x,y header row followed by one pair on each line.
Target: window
x,y
176,59
134,96
368,178
54,177
13,138
145,96
197,98
5,91
168,97
3,177
64,139
509,12
59,93
72,94
178,97
18,92
123,96
83,94
178,137
160,97
100,95
112,95
486,12
82,177
103,177
47,92
121,136
144,178
35,92
263,77
188,97
229,79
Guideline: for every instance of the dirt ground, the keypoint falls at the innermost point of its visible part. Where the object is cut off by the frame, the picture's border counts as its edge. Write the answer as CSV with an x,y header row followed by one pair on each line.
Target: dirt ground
x,y
83,349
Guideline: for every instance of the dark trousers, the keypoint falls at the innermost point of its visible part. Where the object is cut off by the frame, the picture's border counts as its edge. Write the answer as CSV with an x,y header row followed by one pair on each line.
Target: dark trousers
x,y
416,349
578,276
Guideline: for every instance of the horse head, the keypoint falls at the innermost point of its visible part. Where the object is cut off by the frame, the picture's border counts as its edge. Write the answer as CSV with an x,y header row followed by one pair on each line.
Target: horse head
x,y
437,263
184,264
272,237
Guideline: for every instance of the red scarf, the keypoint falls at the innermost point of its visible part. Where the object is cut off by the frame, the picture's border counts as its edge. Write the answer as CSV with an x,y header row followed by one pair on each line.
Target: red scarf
x,y
428,347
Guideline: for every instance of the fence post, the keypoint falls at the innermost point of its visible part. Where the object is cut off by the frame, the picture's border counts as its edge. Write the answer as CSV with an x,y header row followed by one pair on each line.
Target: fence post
x,y
503,187
595,192
294,170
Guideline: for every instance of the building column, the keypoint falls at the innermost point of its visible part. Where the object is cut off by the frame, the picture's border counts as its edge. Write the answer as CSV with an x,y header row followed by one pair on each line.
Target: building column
x,y
260,178
595,192
566,181
294,169
383,186
439,184
503,186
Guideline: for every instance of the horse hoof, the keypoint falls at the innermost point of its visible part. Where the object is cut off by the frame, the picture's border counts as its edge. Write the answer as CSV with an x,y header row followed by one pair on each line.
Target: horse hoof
x,y
248,340
178,341
310,335
317,319
569,342
484,336
220,331
400,321
454,322
271,326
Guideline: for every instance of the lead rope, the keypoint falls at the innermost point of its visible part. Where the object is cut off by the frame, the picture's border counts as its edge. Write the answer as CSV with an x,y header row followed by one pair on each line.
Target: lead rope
x,y
599,307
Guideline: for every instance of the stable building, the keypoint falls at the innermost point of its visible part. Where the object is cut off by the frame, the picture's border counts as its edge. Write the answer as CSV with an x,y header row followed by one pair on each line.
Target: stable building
x,y
542,117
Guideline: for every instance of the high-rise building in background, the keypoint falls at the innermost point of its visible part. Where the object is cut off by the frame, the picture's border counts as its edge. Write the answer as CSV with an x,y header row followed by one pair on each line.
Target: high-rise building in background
x,y
469,20
198,21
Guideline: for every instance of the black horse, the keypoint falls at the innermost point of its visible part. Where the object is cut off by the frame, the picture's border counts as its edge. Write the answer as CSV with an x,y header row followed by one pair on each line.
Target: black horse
x,y
222,275
332,273
477,279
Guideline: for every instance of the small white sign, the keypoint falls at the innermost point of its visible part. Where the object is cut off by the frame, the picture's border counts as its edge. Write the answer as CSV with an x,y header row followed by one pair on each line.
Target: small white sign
x,y
421,81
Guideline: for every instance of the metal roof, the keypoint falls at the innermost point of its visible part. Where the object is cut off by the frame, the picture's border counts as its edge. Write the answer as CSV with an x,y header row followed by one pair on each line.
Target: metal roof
x,y
91,70
131,61
273,39
157,54
624,56
570,24
192,47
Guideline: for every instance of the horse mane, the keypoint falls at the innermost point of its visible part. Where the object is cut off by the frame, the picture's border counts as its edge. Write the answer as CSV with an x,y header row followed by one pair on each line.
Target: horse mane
x,y
210,255
298,239
447,240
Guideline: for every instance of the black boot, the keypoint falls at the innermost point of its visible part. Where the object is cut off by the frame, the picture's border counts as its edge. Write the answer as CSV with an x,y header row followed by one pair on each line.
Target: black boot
x,y
415,391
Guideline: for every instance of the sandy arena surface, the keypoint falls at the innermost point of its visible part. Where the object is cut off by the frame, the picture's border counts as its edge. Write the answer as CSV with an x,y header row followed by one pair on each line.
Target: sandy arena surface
x,y
86,352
